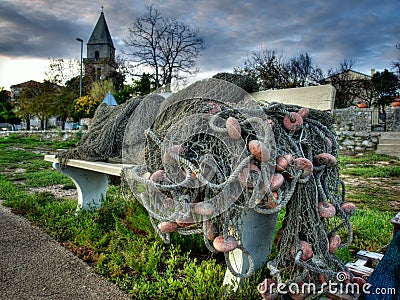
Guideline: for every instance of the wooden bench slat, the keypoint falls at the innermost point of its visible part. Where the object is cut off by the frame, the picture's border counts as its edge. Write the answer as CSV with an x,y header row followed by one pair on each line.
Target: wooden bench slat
x,y
359,269
96,166
361,262
369,255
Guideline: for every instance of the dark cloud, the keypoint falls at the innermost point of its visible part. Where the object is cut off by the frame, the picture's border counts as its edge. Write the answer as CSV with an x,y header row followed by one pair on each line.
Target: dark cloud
x,y
330,31
35,34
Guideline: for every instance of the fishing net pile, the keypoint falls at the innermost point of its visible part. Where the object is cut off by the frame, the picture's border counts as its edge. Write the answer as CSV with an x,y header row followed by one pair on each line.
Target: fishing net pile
x,y
103,141
211,152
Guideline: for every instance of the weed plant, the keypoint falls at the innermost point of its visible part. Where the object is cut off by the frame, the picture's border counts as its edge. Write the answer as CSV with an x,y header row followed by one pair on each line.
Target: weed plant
x,y
120,243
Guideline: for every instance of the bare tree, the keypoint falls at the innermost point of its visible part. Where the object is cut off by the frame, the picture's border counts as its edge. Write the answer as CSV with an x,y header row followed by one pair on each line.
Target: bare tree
x,y
266,67
61,70
273,71
350,86
303,72
396,64
168,46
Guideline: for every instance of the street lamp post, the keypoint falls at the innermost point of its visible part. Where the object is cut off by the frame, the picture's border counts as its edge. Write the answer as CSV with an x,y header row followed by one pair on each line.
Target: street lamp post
x,y
80,79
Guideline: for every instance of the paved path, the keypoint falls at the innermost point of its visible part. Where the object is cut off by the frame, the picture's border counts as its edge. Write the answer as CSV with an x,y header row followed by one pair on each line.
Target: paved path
x,y
34,266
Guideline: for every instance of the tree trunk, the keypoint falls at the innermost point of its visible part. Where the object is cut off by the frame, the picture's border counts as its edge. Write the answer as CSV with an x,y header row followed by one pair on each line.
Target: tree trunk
x,y
63,121
28,123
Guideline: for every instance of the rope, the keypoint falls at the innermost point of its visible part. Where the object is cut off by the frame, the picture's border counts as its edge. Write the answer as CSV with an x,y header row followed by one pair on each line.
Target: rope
x,y
213,170
249,272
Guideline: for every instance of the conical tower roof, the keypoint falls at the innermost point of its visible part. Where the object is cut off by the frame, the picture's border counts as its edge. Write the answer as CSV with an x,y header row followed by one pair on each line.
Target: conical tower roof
x,y
110,100
101,34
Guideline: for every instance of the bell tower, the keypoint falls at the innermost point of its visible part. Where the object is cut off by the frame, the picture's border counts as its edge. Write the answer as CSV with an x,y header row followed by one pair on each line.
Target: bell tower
x,y
100,62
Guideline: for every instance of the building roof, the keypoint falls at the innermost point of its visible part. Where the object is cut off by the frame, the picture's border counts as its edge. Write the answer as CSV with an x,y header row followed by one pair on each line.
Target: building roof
x,y
354,75
101,34
23,84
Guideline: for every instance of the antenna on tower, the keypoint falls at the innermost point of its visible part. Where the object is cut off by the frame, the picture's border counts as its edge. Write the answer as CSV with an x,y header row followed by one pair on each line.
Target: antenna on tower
x,y
102,8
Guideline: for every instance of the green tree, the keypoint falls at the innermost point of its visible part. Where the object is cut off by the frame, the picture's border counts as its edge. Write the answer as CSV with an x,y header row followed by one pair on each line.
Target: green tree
x,y
125,94
7,114
66,73
38,99
45,102
24,104
64,101
100,89
385,86
139,87
144,85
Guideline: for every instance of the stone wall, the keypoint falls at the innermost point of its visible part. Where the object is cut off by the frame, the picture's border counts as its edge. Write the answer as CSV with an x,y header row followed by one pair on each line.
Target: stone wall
x,y
358,141
353,129
393,119
359,129
46,135
353,119
366,119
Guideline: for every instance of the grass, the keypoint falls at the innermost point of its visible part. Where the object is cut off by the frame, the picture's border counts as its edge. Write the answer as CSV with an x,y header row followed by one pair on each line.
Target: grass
x,y
120,243
372,181
370,165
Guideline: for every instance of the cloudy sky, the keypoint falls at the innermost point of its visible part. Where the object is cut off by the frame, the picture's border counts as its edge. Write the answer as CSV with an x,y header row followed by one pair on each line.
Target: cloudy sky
x,y
366,31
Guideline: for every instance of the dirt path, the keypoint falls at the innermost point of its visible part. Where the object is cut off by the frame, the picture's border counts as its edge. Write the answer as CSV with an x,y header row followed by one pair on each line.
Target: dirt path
x,y
34,266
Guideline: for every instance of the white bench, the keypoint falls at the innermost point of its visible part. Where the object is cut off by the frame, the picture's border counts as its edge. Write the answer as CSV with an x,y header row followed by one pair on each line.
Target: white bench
x,y
90,178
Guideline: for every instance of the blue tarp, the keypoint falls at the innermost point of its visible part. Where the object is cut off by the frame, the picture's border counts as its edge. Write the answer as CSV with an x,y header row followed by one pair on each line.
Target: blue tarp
x,y
109,99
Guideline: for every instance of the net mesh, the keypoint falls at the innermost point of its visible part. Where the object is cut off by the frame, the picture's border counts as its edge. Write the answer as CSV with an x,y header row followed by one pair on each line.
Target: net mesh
x,y
189,172
103,141
206,154
194,174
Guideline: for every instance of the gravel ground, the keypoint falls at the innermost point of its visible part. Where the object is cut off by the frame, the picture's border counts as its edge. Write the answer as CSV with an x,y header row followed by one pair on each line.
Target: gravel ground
x,y
57,190
34,266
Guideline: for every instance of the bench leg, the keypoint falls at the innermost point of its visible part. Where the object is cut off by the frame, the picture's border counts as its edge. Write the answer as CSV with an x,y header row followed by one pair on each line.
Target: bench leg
x,y
257,232
91,186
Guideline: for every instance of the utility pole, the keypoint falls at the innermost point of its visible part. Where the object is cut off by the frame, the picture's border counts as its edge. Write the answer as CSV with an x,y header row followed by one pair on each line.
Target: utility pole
x,y
80,80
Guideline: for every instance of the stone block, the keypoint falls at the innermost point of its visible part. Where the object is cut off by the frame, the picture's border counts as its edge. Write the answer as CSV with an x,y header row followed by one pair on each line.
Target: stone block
x,y
367,143
348,142
362,134
348,133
